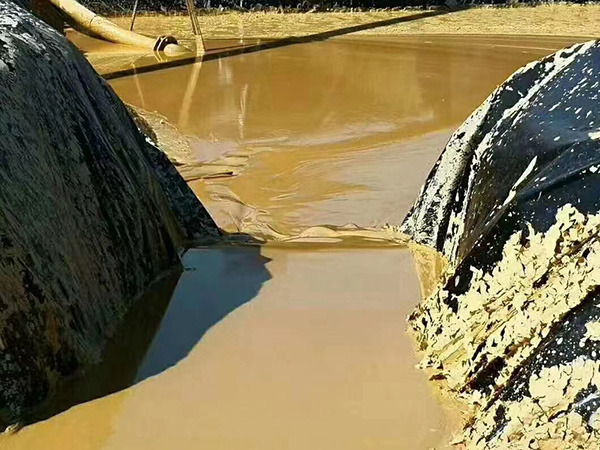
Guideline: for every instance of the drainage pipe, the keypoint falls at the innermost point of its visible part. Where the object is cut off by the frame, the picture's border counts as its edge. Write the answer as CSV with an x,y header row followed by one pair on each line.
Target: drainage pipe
x,y
82,18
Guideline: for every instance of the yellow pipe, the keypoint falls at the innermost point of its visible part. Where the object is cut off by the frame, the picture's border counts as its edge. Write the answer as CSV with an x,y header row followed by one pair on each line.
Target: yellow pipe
x,y
83,18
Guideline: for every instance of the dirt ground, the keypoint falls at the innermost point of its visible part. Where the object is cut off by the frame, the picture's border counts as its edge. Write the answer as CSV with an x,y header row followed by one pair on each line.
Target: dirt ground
x,y
256,24
551,20
557,20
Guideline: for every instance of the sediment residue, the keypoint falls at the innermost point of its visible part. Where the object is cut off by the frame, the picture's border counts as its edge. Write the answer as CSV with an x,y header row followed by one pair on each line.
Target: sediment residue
x,y
491,343
560,411
197,166
430,266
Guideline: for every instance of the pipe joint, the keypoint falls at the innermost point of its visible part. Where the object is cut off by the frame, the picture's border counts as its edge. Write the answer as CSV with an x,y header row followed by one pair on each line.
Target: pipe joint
x,y
162,42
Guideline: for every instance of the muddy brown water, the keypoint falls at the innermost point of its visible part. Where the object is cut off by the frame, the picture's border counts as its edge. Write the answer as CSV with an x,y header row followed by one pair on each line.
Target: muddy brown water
x,y
329,132
287,347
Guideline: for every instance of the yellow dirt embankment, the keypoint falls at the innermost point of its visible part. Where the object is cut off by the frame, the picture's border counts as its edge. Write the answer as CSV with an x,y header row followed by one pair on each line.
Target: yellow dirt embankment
x,y
565,20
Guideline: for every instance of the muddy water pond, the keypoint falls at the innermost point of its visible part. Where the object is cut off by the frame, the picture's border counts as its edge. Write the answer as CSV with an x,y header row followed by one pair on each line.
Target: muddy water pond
x,y
288,347
328,132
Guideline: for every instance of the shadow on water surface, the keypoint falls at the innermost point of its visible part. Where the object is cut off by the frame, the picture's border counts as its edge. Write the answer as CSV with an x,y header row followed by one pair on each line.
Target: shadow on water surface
x,y
122,356
165,323
215,282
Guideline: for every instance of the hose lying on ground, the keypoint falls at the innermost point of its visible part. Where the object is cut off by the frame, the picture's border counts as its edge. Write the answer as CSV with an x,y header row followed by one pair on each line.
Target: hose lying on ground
x,y
85,20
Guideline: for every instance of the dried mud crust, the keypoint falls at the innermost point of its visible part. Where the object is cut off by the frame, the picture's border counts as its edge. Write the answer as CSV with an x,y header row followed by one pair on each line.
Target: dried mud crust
x,y
521,344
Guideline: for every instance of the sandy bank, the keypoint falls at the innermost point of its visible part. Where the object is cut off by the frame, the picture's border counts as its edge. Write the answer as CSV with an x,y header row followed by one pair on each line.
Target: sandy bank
x,y
552,20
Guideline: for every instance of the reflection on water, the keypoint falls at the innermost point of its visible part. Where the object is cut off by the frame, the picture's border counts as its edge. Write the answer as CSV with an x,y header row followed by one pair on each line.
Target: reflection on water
x,y
122,357
108,58
307,127
319,360
215,282
166,323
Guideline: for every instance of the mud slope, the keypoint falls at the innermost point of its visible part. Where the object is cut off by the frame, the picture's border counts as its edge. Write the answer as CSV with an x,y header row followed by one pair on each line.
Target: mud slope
x,y
90,213
513,203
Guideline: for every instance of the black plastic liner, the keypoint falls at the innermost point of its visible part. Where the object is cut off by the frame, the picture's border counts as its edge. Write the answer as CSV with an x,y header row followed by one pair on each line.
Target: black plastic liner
x,y
530,149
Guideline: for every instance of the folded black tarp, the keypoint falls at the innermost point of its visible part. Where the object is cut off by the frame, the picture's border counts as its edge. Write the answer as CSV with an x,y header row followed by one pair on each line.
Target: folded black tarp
x,y
532,148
